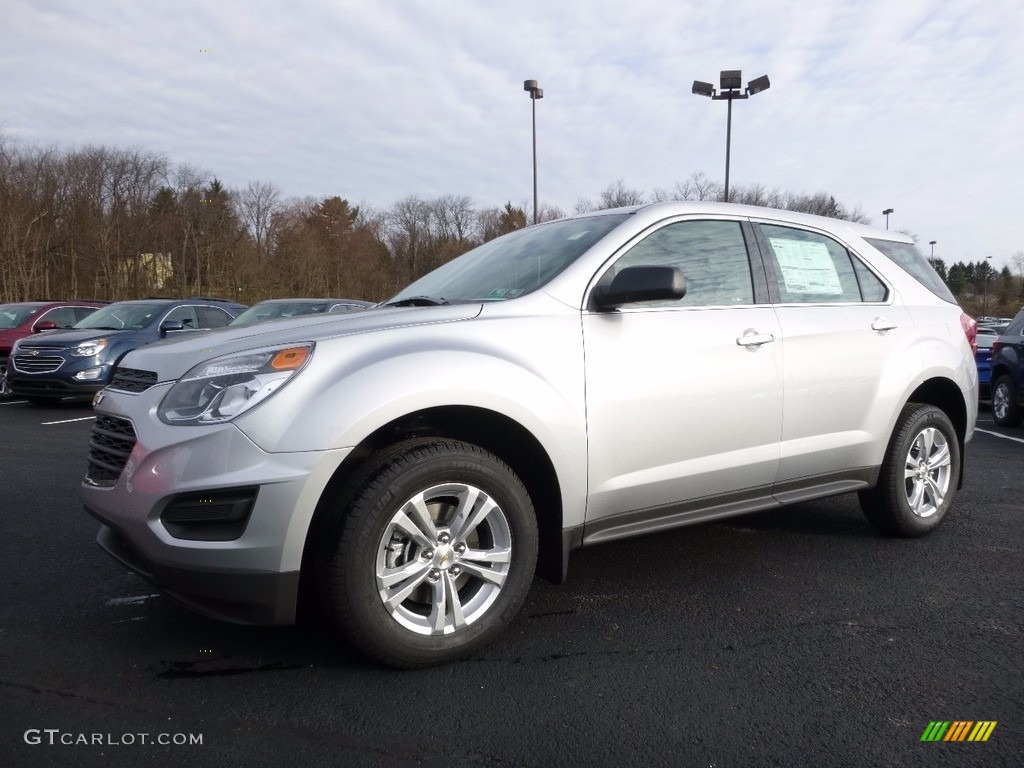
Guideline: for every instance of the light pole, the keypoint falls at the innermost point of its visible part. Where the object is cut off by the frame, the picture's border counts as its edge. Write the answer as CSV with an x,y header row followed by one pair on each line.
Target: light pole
x,y
730,82
535,93
932,244
886,213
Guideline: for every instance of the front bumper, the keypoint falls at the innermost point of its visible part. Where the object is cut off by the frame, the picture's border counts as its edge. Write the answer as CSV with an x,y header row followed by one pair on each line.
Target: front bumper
x,y
251,579
242,597
42,386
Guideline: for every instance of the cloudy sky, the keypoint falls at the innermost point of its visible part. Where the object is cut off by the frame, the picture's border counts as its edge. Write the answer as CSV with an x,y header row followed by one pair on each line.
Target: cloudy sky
x,y
915,105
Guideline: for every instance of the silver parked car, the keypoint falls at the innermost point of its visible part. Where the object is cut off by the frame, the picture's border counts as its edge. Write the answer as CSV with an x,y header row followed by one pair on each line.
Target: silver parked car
x,y
603,376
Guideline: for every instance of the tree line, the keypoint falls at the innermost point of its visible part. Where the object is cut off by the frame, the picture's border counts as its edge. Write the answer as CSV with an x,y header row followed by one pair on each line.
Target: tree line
x,y
111,223
983,290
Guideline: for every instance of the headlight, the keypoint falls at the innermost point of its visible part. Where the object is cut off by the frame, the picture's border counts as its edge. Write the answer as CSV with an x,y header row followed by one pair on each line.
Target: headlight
x,y
219,390
90,348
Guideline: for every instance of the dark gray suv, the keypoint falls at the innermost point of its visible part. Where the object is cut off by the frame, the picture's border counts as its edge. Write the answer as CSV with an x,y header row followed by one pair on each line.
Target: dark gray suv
x,y
1008,374
80,361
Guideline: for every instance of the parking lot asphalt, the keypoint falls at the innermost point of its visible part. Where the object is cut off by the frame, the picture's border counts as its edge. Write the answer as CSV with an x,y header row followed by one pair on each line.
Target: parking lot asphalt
x,y
788,638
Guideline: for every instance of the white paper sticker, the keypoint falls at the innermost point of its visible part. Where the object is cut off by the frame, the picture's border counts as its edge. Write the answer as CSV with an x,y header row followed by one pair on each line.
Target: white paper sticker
x,y
807,267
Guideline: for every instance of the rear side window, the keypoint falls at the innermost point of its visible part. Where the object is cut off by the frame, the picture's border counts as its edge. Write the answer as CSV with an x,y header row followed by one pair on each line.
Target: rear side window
x,y
912,262
815,269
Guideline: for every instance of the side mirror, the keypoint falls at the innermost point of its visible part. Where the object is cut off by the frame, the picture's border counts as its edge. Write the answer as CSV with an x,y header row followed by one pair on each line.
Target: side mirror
x,y
171,325
44,325
635,284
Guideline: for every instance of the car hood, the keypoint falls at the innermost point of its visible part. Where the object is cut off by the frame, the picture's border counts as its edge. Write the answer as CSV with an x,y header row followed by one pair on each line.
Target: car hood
x,y
68,338
171,359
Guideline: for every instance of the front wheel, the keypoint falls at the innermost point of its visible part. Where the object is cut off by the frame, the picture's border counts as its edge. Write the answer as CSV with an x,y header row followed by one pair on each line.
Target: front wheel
x,y
434,556
1005,410
919,475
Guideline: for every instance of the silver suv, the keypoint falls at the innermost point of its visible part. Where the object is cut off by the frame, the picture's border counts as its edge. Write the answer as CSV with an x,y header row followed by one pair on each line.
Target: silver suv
x,y
572,383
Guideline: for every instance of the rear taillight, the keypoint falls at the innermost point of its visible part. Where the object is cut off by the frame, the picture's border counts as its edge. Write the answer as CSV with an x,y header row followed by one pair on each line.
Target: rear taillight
x,y
970,331
996,346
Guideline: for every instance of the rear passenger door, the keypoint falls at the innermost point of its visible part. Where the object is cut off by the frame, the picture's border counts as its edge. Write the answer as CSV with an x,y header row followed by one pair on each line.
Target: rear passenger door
x,y
842,333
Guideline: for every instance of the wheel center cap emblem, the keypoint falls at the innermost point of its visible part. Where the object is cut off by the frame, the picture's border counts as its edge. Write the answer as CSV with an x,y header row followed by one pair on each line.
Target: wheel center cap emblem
x,y
444,556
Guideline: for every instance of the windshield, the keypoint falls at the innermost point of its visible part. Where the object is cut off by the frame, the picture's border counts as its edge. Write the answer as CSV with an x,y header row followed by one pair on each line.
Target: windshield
x,y
128,316
512,265
272,310
13,315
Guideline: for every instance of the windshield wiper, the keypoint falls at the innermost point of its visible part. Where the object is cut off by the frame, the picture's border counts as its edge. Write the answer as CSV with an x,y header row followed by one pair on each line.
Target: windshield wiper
x,y
418,301
100,328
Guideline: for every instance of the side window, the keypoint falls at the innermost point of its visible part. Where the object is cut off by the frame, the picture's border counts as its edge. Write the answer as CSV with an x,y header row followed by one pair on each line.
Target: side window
x,y
871,288
83,312
213,317
712,255
184,315
812,268
63,317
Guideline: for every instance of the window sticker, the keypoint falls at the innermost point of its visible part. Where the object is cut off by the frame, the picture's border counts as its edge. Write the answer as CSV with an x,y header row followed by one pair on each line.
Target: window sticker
x,y
806,267
504,293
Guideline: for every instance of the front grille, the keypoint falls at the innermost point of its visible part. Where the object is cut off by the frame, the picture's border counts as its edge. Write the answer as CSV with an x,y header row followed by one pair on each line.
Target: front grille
x,y
37,363
132,380
113,439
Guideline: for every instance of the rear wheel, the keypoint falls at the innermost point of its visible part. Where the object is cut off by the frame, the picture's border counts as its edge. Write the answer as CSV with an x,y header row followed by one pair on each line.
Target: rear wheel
x,y
919,476
433,557
1005,410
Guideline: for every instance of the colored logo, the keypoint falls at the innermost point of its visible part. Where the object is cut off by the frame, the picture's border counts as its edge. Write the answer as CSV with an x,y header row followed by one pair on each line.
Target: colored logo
x,y
958,730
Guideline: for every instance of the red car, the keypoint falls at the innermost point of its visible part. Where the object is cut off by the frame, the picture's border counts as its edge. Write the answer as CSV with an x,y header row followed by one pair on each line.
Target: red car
x,y
24,318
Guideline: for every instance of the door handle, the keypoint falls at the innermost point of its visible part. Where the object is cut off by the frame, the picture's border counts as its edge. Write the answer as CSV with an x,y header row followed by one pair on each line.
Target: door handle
x,y
881,324
754,339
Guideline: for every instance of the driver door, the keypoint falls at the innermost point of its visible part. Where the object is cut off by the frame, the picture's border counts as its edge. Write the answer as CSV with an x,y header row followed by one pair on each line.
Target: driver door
x,y
684,398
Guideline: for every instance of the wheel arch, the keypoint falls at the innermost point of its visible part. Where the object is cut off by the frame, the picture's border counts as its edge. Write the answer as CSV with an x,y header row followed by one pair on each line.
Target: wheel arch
x,y
945,395
502,436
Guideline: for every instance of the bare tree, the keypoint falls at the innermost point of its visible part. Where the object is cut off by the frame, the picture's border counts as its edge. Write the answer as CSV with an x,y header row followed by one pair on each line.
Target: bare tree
x,y
454,217
257,204
617,195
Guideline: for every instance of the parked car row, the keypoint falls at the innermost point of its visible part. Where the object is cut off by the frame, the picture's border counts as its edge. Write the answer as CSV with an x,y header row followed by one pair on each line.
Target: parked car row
x,y
21,319
51,350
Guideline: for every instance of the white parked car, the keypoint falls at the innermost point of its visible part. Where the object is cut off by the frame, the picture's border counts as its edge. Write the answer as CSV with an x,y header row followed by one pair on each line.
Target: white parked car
x,y
609,375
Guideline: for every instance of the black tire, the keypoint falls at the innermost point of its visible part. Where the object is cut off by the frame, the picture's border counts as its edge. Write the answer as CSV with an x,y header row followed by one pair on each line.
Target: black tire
x,y
442,564
1006,411
925,442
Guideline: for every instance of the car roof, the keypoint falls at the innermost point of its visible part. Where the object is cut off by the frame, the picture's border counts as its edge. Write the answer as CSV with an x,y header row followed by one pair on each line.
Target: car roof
x,y
56,303
305,300
698,207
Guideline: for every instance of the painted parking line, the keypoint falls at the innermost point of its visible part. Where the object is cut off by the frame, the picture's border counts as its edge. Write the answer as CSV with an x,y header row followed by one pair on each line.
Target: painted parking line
x,y
68,421
14,402
1004,437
